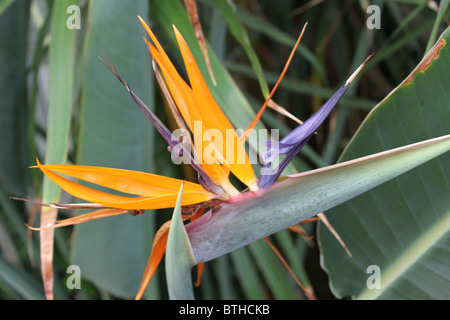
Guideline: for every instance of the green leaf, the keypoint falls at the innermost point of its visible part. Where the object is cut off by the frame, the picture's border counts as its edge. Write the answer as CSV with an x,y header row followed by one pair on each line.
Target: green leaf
x,y
278,35
303,87
4,5
112,253
403,226
442,10
273,271
61,85
61,93
20,281
247,274
11,215
255,215
13,107
229,15
179,258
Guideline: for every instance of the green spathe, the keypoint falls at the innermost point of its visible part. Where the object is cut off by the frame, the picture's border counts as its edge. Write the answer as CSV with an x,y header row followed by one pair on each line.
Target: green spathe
x,y
256,215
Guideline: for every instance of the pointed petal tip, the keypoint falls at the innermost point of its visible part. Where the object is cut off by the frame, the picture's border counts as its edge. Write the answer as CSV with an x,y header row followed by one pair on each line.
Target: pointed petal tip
x,y
356,72
304,26
37,165
32,228
144,24
177,32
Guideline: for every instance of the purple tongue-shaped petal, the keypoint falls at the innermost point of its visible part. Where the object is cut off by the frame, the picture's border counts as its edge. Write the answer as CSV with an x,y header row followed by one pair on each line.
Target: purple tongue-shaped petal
x,y
293,142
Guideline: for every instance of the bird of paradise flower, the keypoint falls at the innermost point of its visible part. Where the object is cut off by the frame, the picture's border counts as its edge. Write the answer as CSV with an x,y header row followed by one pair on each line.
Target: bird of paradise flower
x,y
191,105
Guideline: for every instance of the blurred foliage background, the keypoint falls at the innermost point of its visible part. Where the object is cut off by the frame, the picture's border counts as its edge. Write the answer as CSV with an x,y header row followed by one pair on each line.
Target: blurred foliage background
x,y
60,103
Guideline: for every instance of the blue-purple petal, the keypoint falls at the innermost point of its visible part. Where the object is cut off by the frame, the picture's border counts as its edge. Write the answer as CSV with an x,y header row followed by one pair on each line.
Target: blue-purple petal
x,y
294,141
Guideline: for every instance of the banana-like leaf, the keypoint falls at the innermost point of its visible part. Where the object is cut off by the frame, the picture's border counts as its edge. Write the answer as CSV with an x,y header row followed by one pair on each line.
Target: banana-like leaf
x,y
399,233
61,85
16,278
115,133
13,44
255,215
179,258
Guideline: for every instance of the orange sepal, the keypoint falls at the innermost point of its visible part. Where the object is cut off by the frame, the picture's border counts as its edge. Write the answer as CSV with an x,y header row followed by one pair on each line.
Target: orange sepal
x,y
200,268
94,215
158,250
184,98
138,183
232,153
